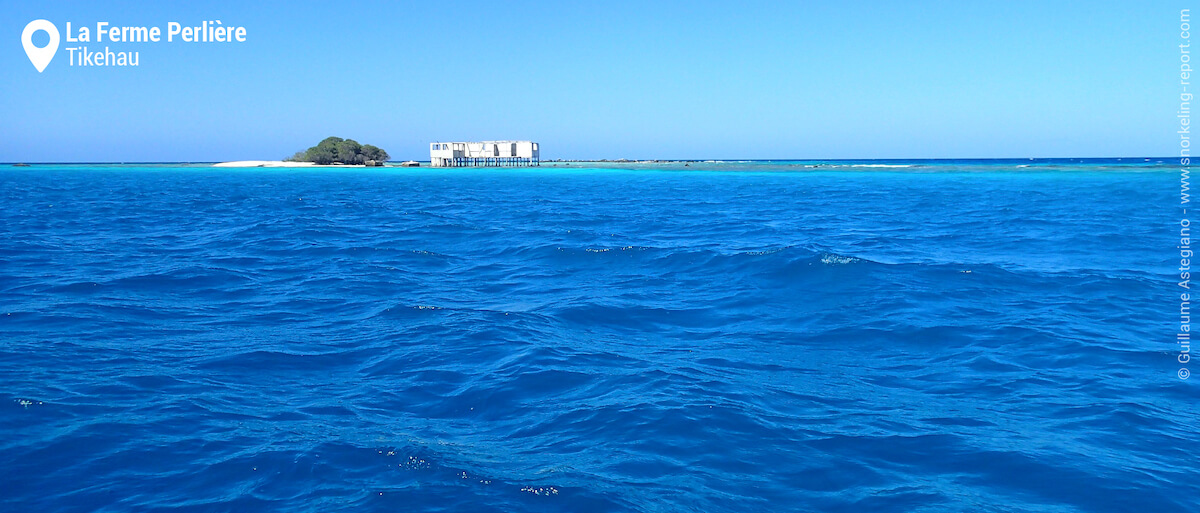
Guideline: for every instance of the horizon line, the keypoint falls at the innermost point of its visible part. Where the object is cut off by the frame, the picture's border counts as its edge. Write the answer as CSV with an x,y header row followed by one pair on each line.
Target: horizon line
x,y
624,160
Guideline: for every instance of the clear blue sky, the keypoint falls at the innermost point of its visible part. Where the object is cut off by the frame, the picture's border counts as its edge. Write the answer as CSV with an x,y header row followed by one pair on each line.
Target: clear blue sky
x,y
642,79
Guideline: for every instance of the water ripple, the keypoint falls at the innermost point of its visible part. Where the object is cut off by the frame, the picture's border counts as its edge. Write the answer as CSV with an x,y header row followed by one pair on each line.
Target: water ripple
x,y
950,338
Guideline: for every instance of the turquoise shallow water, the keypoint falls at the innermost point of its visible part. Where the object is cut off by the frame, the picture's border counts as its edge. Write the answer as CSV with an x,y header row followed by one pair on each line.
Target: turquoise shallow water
x,y
950,336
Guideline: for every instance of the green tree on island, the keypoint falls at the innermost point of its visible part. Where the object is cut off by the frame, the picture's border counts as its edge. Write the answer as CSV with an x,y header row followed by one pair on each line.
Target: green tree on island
x,y
338,150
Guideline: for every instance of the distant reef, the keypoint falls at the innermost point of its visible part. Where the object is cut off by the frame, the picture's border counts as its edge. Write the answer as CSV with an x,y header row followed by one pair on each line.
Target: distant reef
x,y
335,150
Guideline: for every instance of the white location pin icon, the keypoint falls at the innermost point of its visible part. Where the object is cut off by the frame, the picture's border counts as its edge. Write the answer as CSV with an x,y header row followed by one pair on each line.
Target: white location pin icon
x,y
40,57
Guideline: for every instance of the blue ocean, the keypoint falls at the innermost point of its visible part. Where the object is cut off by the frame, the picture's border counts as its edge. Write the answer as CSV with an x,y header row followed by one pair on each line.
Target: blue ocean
x,y
841,336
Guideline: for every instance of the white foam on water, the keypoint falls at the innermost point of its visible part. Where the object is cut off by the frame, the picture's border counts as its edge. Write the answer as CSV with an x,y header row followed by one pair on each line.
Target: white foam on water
x,y
838,259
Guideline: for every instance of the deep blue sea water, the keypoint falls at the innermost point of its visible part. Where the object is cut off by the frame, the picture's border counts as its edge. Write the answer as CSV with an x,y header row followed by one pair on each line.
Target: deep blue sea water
x,y
985,336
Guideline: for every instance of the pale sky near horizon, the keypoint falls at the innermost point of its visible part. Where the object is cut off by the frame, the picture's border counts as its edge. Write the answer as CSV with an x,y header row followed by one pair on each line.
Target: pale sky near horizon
x,y
697,79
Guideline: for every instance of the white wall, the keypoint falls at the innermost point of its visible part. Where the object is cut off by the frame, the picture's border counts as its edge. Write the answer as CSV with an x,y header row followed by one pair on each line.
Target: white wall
x,y
483,149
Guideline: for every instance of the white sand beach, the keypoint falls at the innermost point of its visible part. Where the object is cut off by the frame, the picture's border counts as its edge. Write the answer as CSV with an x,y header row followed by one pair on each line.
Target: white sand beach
x,y
277,163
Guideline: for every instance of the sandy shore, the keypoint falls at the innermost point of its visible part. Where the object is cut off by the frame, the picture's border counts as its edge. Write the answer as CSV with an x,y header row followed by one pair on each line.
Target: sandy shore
x,y
276,163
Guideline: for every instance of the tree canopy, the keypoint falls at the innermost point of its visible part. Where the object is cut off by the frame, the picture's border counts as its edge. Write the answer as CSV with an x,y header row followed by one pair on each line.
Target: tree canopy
x,y
346,151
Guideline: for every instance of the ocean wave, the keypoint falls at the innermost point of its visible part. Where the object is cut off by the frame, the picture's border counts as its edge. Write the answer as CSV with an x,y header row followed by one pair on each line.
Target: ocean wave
x,y
832,259
590,341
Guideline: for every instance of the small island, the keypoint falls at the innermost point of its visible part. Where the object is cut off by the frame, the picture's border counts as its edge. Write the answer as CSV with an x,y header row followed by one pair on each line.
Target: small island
x,y
335,150
332,151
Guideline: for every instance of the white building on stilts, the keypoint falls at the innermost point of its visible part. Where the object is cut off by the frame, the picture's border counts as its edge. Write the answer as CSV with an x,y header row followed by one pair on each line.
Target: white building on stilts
x,y
484,154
